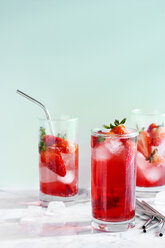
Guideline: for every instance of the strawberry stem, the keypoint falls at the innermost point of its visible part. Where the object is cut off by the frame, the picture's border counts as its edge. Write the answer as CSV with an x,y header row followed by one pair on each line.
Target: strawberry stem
x,y
152,155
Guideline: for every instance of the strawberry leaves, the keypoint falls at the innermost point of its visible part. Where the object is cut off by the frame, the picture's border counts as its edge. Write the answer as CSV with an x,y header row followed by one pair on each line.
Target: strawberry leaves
x,y
42,145
116,123
152,155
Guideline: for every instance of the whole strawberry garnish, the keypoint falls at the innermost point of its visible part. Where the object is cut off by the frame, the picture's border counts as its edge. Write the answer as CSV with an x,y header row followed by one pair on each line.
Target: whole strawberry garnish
x,y
155,158
52,159
151,126
157,135
121,129
144,143
118,127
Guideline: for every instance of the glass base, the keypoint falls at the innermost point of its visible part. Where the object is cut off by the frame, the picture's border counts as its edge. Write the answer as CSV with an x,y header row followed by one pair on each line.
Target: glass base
x,y
147,192
45,199
112,226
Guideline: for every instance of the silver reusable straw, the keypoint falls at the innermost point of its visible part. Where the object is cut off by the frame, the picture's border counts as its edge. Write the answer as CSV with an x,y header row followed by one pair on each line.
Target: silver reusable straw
x,y
162,230
162,217
149,227
146,210
153,209
147,223
40,105
153,214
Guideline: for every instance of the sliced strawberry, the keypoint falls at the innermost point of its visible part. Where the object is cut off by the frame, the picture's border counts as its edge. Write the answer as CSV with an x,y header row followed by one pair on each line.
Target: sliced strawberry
x,y
151,126
144,143
157,135
53,160
66,147
50,140
121,129
155,158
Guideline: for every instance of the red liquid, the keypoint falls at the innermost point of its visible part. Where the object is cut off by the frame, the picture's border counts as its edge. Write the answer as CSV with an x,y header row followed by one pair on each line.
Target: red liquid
x,y
113,180
55,185
151,156
149,175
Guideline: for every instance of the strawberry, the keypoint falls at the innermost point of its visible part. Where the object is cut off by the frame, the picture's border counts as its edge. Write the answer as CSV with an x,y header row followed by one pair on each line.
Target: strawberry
x,y
53,160
144,143
155,158
121,129
157,135
65,147
117,128
151,126
50,140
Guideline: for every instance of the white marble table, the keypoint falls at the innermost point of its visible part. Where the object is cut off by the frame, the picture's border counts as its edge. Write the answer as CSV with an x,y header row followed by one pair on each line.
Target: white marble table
x,y
24,224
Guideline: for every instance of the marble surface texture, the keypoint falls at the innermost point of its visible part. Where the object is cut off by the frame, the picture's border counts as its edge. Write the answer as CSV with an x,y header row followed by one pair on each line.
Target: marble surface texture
x,y
25,224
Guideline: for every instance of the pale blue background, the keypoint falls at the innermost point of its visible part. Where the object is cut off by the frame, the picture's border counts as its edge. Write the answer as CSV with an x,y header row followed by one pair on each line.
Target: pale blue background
x,y
94,59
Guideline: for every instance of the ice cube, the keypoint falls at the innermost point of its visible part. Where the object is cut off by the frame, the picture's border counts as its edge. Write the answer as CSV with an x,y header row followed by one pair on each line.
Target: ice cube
x,y
68,178
69,160
47,176
101,153
55,206
153,174
142,163
114,146
58,210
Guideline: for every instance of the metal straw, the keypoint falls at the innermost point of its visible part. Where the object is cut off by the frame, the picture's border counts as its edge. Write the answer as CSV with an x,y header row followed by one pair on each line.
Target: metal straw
x,y
157,216
40,105
148,212
148,222
153,209
148,228
162,230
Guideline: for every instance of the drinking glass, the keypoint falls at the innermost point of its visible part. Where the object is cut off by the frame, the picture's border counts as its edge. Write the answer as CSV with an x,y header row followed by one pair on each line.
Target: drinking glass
x,y
58,160
113,180
150,150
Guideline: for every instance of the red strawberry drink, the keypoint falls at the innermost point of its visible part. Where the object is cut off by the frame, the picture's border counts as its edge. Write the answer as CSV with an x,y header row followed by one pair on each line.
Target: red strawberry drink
x,y
58,162
151,156
113,179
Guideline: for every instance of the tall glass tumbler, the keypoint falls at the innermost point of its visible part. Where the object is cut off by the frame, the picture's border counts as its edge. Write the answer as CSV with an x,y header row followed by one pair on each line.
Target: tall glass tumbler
x,y
58,160
113,180
151,151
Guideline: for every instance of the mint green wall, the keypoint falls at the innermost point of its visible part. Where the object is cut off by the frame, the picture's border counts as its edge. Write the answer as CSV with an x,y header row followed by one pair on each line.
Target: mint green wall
x,y
94,59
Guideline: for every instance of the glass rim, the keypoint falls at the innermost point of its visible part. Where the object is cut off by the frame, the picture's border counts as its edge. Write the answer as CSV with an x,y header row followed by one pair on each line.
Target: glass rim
x,y
142,113
133,133
58,119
